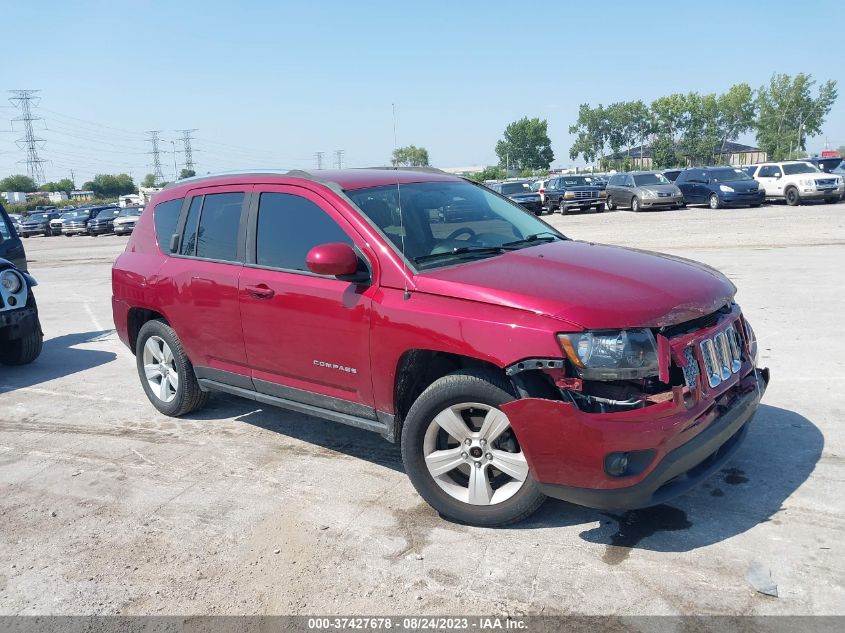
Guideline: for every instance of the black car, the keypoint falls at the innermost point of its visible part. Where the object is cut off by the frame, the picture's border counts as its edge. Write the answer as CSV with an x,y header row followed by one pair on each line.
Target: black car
x,y
11,246
20,329
825,163
720,187
38,223
520,192
103,221
672,174
564,193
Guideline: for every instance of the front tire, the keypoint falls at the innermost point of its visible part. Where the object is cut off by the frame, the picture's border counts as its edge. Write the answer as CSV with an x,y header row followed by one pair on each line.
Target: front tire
x,y
461,454
792,196
599,208
166,372
635,204
714,201
24,350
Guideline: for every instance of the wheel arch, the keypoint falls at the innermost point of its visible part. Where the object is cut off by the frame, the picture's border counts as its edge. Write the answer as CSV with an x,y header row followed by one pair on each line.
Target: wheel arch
x,y
135,319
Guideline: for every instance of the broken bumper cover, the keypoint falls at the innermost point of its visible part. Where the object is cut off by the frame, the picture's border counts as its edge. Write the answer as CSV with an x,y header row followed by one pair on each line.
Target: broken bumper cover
x,y
568,463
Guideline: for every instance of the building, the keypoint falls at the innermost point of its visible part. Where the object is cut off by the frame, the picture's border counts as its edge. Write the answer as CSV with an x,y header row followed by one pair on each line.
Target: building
x,y
14,197
81,196
731,154
57,196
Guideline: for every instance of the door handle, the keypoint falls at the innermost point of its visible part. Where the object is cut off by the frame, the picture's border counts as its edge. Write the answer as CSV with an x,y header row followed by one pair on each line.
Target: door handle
x,y
261,291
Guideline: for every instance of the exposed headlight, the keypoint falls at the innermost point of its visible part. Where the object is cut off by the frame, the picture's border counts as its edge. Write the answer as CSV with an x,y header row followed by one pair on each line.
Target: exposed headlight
x,y
726,189
602,194
617,355
569,194
11,281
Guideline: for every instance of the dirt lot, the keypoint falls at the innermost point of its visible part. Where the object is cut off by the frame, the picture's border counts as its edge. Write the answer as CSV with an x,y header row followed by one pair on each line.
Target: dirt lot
x,y
108,507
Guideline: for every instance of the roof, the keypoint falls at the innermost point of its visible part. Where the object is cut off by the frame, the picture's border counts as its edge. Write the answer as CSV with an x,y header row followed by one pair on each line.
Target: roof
x,y
346,179
645,151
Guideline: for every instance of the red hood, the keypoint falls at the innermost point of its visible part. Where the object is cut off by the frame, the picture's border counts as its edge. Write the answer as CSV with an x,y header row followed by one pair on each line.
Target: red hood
x,y
590,285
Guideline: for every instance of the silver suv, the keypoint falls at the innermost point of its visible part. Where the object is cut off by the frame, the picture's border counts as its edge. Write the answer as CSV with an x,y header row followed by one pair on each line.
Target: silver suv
x,y
643,190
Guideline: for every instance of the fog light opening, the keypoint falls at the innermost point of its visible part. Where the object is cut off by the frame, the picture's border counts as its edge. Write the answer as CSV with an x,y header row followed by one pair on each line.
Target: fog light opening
x,y
616,464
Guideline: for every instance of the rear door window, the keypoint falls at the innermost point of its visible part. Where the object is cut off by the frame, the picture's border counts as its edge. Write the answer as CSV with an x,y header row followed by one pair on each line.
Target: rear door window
x,y
288,227
165,218
217,232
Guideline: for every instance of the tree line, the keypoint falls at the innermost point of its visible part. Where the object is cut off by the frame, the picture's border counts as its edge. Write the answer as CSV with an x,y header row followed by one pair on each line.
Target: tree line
x,y
694,128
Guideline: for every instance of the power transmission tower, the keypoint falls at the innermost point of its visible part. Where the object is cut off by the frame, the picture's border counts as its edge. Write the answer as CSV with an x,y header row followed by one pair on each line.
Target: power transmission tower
x,y
319,157
156,153
186,144
23,101
338,158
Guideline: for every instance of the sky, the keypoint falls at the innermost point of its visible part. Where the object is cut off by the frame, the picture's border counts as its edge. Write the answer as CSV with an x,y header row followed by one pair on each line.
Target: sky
x,y
269,84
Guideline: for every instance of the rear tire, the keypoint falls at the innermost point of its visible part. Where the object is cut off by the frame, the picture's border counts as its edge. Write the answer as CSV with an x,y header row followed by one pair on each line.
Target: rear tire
x,y
611,204
187,395
463,392
792,196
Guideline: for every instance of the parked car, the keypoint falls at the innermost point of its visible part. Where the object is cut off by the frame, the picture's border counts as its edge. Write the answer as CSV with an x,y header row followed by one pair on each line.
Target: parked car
x,y
37,224
827,164
124,223
643,190
11,246
508,361
103,221
540,187
20,329
565,193
720,187
797,182
15,218
56,223
672,174
521,193
77,222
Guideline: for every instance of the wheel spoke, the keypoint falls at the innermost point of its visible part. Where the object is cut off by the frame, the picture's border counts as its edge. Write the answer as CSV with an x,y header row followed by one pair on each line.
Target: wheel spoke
x,y
480,492
152,346
164,389
173,379
453,424
168,354
441,462
495,423
512,464
152,371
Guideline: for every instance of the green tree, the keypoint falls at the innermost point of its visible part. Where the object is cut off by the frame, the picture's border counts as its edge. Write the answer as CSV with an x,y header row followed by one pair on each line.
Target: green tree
x,y
841,150
108,185
18,182
526,144
629,122
65,184
488,173
187,173
701,130
410,156
736,112
788,113
671,115
592,133
149,181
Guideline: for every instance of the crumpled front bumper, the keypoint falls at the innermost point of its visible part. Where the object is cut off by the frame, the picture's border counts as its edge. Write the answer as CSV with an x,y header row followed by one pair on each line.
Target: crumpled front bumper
x,y
566,448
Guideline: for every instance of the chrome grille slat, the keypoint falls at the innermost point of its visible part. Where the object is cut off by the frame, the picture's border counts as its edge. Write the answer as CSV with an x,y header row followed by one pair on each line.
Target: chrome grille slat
x,y
722,355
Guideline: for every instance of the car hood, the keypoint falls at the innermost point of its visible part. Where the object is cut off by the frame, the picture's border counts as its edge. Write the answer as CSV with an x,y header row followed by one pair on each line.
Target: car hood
x,y
589,285
740,185
670,188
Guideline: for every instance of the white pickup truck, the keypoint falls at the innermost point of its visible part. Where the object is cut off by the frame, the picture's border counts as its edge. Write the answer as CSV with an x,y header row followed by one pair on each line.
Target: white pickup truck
x,y
796,181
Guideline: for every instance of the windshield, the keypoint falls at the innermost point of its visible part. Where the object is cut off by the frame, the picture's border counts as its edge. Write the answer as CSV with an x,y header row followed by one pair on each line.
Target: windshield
x,y
130,211
650,179
728,175
449,222
575,181
74,214
799,168
107,213
514,187
37,217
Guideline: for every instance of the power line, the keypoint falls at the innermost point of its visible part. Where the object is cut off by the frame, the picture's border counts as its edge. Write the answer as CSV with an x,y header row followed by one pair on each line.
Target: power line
x,y
338,158
319,157
186,143
156,153
23,101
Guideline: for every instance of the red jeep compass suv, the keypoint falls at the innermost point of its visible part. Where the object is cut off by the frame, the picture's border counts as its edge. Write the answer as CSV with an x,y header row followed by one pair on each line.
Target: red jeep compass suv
x,y
509,361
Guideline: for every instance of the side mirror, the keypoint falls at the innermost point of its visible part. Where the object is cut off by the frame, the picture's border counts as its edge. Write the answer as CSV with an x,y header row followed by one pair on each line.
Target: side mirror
x,y
778,176
336,258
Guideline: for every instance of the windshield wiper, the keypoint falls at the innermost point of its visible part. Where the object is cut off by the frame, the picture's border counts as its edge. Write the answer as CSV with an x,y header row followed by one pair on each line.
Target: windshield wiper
x,y
545,236
460,251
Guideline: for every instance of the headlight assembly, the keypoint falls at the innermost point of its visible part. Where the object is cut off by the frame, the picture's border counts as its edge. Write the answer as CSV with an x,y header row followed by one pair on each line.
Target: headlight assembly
x,y
614,355
11,281
726,189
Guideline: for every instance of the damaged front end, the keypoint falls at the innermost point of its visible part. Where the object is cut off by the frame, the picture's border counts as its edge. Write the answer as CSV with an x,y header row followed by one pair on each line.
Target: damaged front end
x,y
601,426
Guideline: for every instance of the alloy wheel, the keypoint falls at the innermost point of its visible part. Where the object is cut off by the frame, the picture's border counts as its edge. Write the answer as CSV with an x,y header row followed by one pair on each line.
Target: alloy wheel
x,y
714,201
160,369
472,454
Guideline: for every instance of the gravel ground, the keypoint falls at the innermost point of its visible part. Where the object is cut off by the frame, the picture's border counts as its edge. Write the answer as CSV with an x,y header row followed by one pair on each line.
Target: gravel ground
x,y
108,507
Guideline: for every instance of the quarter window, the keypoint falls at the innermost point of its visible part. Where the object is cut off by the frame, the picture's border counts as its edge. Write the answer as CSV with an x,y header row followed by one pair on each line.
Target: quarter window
x,y
165,218
288,227
189,236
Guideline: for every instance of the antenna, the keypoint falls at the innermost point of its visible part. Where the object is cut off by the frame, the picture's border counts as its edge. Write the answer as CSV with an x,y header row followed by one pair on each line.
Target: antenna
x,y
401,218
